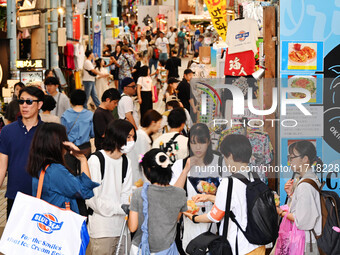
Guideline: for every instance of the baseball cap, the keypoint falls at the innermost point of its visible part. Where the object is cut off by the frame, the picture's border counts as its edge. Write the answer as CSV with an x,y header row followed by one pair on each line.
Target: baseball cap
x,y
187,71
127,81
172,80
171,98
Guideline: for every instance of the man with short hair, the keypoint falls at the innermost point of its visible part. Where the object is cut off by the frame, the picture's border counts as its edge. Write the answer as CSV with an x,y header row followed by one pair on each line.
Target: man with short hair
x,y
172,64
89,78
62,101
172,38
15,143
198,43
103,115
162,44
126,108
185,94
125,63
179,147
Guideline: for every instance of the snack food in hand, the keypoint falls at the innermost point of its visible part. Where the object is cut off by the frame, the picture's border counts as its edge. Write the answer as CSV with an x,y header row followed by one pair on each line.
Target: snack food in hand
x,y
192,207
206,187
139,183
277,200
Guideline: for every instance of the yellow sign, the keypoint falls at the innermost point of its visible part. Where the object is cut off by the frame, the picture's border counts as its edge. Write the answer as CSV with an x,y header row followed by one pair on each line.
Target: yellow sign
x,y
30,63
115,21
218,13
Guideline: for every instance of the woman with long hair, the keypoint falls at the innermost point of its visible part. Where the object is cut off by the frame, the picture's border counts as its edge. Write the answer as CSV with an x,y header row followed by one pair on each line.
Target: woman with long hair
x,y
305,207
103,80
48,149
201,178
151,123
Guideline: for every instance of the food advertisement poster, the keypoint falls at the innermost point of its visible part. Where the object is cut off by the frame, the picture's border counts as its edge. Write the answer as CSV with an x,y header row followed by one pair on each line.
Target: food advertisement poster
x,y
297,55
309,52
312,82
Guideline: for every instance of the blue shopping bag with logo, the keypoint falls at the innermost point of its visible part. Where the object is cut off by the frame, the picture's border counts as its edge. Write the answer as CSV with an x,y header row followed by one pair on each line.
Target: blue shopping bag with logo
x,y
37,227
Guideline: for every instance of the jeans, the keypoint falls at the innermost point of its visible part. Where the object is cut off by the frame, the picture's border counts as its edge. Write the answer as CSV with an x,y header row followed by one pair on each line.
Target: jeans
x,y
181,49
153,62
91,90
163,56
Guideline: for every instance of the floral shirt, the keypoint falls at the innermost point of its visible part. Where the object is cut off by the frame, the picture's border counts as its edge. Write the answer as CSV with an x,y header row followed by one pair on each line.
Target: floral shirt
x,y
126,63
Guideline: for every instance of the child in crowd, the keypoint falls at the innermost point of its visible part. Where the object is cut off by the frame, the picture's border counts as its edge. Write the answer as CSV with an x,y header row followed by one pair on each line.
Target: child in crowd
x,y
156,208
145,91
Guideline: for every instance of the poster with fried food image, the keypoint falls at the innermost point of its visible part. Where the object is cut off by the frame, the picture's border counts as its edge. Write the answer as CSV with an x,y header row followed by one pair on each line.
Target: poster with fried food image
x,y
302,56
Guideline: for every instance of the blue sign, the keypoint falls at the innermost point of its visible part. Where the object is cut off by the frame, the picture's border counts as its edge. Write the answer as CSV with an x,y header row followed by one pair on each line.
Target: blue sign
x,y
310,47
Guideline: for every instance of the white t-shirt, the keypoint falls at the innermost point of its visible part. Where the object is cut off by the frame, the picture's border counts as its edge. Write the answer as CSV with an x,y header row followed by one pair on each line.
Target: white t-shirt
x,y
145,82
143,45
88,66
62,104
242,35
192,230
161,44
125,105
181,140
239,207
108,197
143,145
172,38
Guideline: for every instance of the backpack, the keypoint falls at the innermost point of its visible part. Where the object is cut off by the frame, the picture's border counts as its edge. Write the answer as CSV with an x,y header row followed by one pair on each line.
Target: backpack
x,y
155,54
329,240
262,227
102,171
170,147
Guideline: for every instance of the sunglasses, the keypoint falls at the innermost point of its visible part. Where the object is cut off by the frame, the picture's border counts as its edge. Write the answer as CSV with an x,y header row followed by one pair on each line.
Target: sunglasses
x,y
27,101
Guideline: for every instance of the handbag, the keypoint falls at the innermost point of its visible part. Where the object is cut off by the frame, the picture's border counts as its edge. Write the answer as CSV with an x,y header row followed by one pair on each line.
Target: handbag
x,y
291,241
35,226
209,242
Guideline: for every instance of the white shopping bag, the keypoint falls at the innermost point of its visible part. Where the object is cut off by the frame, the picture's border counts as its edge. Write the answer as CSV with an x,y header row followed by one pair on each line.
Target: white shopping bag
x,y
37,227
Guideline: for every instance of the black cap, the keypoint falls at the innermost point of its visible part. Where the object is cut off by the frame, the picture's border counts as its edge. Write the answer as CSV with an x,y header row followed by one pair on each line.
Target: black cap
x,y
187,71
172,80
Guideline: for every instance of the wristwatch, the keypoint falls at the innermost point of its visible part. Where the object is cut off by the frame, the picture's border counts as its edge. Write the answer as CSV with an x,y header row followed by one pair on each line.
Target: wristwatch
x,y
193,219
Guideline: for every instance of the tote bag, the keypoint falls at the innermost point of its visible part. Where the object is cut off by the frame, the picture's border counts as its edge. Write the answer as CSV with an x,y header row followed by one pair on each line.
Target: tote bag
x,y
291,240
37,227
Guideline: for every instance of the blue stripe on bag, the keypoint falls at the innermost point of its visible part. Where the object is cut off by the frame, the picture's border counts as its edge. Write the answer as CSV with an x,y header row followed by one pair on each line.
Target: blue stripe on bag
x,y
85,239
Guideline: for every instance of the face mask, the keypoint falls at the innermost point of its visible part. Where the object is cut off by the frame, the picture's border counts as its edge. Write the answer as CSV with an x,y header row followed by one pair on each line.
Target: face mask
x,y
128,147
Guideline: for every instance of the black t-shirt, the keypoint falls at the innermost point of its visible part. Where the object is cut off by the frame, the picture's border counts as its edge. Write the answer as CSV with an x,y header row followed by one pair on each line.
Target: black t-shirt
x,y
172,65
184,94
136,74
101,119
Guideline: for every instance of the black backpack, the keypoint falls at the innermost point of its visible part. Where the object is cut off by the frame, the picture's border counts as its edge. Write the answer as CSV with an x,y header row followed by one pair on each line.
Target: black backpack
x,y
329,240
102,171
262,227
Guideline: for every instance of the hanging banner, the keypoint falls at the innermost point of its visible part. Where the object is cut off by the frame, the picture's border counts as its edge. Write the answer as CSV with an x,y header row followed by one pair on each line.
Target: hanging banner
x,y
96,40
310,59
218,13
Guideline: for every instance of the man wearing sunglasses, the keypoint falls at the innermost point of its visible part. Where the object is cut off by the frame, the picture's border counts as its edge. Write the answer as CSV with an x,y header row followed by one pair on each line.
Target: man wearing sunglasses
x,y
126,109
15,142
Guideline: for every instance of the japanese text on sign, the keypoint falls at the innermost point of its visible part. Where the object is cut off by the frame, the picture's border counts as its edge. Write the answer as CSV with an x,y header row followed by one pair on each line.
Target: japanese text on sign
x,y
218,13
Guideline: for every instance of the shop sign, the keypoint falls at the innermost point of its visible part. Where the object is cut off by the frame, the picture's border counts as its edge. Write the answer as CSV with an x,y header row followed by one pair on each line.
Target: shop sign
x,y
218,13
310,58
30,63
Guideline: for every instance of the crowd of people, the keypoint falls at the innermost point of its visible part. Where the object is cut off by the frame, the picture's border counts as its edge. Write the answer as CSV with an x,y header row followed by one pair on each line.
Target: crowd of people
x,y
166,151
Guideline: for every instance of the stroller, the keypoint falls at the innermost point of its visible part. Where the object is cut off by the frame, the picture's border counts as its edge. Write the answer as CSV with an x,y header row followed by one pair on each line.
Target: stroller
x,y
124,231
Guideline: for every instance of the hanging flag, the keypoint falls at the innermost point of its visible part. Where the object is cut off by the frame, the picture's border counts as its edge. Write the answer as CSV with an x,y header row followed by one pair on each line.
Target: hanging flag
x,y
96,40
218,13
